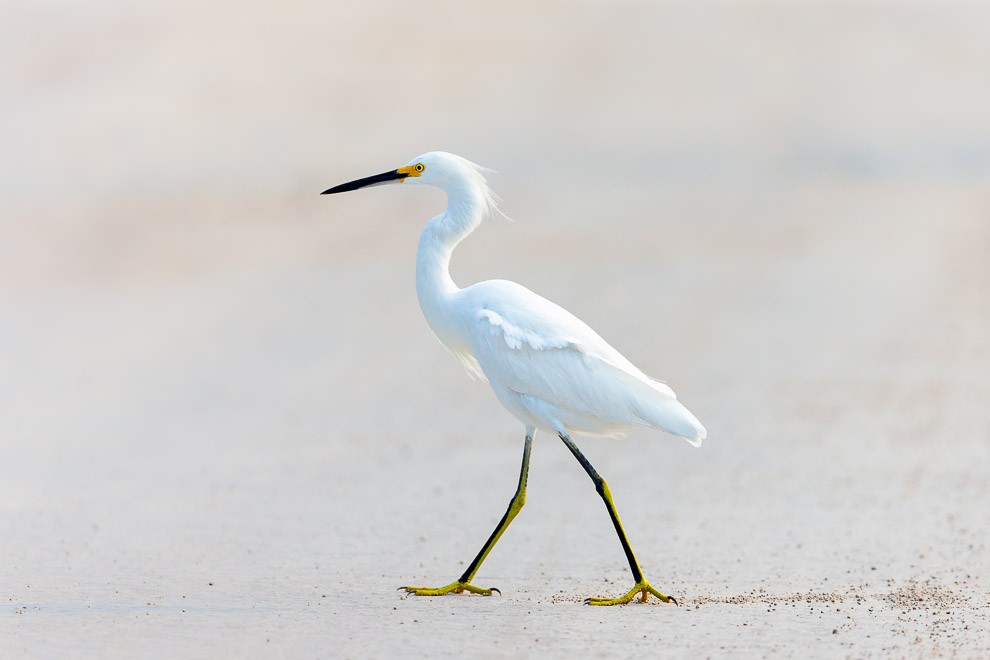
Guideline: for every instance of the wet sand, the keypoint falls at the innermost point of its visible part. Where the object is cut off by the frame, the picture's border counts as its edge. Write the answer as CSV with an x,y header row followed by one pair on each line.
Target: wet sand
x,y
225,429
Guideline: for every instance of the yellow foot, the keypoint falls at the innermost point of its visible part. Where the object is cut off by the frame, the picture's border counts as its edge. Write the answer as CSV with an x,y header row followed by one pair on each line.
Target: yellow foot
x,y
453,587
643,589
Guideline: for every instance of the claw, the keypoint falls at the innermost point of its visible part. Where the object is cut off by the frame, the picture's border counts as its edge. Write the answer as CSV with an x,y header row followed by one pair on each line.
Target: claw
x,y
495,589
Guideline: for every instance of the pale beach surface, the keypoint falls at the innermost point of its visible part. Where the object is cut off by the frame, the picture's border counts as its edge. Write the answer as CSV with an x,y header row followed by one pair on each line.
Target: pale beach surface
x,y
226,430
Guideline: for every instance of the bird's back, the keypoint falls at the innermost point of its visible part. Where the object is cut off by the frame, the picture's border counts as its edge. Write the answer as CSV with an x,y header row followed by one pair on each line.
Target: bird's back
x,y
552,370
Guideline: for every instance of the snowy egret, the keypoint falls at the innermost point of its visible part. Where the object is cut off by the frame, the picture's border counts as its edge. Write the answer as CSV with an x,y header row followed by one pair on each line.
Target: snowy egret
x,y
549,368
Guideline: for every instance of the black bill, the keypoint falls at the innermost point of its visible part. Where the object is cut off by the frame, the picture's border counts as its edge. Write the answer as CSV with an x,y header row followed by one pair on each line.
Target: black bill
x,y
376,180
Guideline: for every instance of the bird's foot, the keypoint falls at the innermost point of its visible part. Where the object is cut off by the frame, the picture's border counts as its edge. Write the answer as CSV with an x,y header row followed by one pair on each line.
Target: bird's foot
x,y
454,587
642,589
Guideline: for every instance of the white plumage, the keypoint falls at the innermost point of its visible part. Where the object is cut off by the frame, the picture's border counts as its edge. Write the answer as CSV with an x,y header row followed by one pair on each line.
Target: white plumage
x,y
547,367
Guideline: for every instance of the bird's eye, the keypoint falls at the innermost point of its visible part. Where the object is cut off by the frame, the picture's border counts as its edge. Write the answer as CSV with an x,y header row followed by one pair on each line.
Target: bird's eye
x,y
419,167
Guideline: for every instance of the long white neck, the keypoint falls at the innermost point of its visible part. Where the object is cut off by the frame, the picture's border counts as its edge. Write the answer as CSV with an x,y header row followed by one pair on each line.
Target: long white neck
x,y
467,201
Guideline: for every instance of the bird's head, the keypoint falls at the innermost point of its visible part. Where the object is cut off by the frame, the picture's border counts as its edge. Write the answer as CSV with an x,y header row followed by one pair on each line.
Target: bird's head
x,y
461,179
435,168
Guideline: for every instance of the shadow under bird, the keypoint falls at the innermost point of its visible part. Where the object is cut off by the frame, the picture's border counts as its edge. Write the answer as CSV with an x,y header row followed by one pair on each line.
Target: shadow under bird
x,y
546,366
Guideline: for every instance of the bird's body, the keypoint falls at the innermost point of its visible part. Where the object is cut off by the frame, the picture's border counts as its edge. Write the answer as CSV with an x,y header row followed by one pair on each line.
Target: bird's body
x,y
546,366
552,371
549,368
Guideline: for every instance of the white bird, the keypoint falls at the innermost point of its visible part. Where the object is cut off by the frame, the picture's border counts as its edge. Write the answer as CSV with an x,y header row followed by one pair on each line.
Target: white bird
x,y
551,370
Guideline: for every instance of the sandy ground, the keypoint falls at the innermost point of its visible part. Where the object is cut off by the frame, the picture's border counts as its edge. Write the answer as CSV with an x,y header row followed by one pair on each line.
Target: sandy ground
x,y
226,431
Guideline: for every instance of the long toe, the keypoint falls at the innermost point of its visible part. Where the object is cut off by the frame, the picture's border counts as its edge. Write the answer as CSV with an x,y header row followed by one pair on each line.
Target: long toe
x,y
642,589
453,587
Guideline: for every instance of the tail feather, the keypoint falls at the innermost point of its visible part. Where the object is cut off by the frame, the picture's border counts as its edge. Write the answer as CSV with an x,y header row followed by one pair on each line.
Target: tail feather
x,y
671,416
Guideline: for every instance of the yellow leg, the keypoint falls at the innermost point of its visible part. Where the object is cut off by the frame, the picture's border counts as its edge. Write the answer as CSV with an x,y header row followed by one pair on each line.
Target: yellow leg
x,y
515,505
642,587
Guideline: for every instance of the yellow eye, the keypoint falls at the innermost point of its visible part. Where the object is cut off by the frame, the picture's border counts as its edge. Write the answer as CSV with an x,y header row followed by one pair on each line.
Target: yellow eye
x,y
419,167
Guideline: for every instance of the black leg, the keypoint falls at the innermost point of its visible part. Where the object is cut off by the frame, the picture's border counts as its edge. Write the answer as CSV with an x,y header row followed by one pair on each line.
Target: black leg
x,y
515,505
606,495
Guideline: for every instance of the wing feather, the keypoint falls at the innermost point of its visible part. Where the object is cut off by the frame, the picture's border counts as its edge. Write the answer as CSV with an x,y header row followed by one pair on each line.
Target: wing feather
x,y
539,350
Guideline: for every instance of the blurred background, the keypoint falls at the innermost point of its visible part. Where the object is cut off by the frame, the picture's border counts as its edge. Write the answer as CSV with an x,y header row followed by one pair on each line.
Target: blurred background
x,y
209,374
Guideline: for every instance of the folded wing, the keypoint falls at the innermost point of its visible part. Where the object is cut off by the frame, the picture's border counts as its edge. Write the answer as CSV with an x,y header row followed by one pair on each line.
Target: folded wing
x,y
565,370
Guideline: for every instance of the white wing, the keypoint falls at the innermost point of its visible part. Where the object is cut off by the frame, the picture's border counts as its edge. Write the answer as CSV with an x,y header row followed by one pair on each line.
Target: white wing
x,y
561,370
